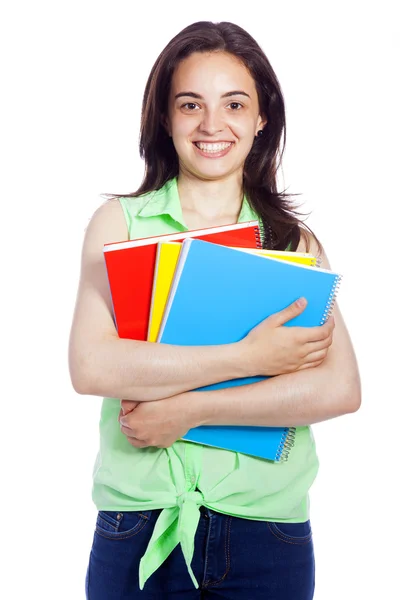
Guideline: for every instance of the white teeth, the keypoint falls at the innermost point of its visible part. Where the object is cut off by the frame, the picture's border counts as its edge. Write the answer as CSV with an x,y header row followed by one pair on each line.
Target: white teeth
x,y
213,147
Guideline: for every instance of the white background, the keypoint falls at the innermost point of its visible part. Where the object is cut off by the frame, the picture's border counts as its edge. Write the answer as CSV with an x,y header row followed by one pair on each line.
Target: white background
x,y
73,76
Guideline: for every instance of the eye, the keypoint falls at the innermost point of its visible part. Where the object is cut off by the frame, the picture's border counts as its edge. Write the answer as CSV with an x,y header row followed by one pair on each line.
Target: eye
x,y
189,106
235,105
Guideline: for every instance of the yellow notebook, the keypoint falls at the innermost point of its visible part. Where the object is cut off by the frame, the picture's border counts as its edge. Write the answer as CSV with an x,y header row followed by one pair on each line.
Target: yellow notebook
x,y
167,259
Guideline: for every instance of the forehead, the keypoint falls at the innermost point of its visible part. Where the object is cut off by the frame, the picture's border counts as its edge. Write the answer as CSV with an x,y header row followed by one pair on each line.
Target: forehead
x,y
211,72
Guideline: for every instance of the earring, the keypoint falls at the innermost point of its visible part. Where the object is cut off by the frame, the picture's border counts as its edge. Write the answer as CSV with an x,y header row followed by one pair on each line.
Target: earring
x,y
260,132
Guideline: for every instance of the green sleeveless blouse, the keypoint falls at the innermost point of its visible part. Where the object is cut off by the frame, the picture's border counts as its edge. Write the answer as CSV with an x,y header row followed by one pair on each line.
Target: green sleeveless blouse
x,y
181,478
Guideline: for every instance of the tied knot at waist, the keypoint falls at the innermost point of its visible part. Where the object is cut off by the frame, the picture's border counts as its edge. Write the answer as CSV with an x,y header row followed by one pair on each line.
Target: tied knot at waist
x,y
196,498
176,524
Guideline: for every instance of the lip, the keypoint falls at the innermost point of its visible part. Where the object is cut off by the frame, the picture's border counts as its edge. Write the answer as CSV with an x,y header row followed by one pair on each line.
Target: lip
x,y
214,154
213,142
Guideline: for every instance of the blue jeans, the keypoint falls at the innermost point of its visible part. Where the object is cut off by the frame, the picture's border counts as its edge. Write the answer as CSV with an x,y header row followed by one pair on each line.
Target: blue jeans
x,y
234,559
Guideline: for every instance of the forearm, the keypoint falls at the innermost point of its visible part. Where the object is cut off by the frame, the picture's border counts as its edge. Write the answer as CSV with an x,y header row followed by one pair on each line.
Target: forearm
x,y
144,371
291,400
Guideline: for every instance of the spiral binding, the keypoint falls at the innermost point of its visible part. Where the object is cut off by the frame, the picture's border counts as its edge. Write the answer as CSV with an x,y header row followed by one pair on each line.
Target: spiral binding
x,y
286,444
331,300
259,233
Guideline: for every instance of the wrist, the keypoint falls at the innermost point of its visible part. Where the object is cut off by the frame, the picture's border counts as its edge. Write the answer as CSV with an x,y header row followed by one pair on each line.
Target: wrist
x,y
244,359
200,409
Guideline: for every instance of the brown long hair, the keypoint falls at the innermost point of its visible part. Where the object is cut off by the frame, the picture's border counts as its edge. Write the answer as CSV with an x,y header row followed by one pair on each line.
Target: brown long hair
x,y
279,223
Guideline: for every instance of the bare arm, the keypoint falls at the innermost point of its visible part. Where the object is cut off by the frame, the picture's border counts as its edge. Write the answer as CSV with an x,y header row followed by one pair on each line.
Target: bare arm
x,y
299,398
102,364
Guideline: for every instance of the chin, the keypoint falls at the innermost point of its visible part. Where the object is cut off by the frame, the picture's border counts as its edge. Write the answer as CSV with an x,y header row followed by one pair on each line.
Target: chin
x,y
212,170
214,174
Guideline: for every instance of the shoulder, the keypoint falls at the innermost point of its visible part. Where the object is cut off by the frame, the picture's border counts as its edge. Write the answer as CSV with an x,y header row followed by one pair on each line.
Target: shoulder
x,y
110,208
134,204
107,224
120,210
309,243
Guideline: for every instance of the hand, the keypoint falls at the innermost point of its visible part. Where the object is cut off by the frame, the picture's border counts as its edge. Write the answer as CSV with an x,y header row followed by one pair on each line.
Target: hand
x,y
156,423
272,349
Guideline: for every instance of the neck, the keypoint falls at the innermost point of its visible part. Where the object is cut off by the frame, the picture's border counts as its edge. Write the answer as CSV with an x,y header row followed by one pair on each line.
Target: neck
x,y
211,200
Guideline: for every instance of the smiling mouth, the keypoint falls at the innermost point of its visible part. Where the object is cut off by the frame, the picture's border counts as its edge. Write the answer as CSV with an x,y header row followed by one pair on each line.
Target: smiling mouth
x,y
213,148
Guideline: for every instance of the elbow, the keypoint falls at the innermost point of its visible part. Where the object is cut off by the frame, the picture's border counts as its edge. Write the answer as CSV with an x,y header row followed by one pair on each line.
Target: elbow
x,y
80,375
87,383
81,387
354,402
80,384
351,403
351,396
342,399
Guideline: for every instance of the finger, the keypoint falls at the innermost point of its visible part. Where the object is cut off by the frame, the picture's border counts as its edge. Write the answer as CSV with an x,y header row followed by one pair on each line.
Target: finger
x,y
311,347
314,356
315,334
288,313
310,365
127,431
125,420
128,405
137,443
132,439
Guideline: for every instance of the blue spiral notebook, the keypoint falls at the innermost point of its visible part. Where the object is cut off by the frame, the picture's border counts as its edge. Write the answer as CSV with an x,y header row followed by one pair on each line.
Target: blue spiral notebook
x,y
218,295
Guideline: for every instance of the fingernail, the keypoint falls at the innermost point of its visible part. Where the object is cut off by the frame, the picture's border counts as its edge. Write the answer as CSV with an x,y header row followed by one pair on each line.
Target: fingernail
x,y
301,302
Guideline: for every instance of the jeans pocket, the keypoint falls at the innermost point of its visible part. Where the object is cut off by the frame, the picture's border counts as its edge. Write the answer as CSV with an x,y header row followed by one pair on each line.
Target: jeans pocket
x,y
291,533
121,525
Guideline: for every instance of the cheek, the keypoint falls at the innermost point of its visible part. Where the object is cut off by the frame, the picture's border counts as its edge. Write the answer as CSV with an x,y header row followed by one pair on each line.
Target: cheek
x,y
180,141
183,127
243,128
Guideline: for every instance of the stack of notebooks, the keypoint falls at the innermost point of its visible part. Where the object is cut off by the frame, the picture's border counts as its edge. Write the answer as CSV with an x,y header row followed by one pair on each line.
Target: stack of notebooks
x,y
211,287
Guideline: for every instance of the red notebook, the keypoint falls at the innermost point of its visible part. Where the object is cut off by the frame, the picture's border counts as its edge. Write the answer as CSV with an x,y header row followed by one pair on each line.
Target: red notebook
x,y
130,269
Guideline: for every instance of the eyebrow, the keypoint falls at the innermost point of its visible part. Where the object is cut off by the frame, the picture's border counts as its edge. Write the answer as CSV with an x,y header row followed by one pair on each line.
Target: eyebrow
x,y
198,97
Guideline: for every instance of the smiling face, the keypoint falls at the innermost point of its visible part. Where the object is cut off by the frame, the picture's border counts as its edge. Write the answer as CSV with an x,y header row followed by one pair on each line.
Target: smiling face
x,y
213,114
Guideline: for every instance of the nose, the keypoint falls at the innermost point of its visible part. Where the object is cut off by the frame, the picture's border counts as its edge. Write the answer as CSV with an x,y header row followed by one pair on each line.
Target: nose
x,y
211,122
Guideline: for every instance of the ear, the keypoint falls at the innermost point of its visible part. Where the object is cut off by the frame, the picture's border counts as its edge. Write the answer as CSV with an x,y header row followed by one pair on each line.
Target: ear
x,y
261,123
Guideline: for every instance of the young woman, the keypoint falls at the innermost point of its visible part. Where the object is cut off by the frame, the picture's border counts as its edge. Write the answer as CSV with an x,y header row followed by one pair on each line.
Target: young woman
x,y
176,519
